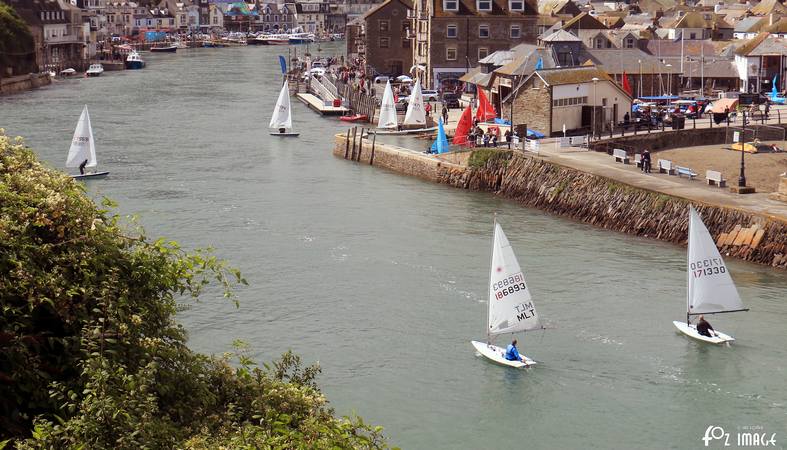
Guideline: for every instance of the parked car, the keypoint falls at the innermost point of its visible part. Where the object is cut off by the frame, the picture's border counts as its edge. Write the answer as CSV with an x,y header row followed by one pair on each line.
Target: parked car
x,y
451,100
381,79
430,95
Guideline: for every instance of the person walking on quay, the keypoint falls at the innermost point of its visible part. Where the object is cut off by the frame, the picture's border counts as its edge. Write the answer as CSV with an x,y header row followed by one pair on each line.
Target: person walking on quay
x,y
445,114
646,161
508,137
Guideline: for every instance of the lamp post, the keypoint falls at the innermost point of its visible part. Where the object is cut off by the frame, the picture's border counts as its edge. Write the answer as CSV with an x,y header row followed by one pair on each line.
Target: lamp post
x,y
640,77
669,79
742,176
593,117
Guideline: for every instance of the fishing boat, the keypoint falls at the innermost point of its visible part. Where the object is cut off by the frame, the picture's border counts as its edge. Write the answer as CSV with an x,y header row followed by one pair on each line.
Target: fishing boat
x,y
511,308
94,70
710,287
134,61
355,118
83,149
276,39
301,38
170,48
281,120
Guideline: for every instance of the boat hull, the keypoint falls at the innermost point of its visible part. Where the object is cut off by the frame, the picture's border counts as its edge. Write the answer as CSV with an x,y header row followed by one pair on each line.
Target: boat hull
x,y
90,176
277,42
300,41
355,118
135,65
171,49
691,331
497,355
273,133
93,74
413,131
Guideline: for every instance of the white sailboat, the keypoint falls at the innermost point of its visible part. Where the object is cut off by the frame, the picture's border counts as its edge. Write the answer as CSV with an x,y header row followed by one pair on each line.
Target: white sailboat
x,y
710,287
511,307
387,120
281,120
82,152
414,117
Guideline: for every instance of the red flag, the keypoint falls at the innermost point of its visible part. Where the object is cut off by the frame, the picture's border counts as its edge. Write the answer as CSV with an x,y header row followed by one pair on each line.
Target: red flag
x,y
626,85
485,110
463,127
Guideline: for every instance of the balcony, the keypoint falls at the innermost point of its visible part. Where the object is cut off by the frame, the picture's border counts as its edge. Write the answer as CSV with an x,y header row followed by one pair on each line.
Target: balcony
x,y
67,39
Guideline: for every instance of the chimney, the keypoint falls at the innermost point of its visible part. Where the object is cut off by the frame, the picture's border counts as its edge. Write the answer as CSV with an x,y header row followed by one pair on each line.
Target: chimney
x,y
770,19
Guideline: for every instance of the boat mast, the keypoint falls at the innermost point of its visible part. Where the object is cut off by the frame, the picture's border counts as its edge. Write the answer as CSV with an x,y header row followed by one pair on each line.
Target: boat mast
x,y
491,263
688,270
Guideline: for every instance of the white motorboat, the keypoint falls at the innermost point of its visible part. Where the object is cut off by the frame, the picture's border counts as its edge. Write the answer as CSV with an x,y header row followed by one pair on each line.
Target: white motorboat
x,y
94,70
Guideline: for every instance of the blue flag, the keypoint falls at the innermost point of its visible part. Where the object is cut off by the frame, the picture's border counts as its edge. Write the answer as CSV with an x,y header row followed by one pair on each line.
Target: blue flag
x,y
440,144
283,63
540,64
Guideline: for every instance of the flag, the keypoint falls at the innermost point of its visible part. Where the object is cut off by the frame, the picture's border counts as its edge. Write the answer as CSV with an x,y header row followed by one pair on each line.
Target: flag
x,y
440,145
626,85
463,127
485,110
283,63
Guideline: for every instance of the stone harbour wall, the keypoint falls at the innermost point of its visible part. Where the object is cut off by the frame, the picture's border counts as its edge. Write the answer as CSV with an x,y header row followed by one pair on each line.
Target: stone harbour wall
x,y
587,198
23,83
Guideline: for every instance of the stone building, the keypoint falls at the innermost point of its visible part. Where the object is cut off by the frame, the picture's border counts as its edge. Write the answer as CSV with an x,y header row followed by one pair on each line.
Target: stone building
x,y
278,18
450,36
312,16
65,36
387,40
577,98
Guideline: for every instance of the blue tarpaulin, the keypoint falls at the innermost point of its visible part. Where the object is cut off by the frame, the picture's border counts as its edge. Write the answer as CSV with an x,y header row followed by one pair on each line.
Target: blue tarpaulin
x,y
533,134
155,36
500,121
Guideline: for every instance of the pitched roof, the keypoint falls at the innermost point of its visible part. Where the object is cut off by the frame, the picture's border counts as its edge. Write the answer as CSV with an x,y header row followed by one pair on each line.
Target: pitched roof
x,y
751,25
584,21
626,60
407,4
767,7
499,8
549,7
561,36
572,75
525,64
778,27
751,44
712,69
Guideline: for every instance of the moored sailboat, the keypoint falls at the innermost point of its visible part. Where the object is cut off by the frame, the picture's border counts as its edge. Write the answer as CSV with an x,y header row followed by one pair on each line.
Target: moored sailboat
x,y
710,289
82,153
510,308
281,120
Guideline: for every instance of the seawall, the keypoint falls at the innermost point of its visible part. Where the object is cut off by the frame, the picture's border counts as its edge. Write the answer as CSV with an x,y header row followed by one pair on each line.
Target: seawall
x,y
23,83
588,198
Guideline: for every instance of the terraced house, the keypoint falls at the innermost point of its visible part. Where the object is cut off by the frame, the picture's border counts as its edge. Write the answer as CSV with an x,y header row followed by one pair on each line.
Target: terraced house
x,y
451,36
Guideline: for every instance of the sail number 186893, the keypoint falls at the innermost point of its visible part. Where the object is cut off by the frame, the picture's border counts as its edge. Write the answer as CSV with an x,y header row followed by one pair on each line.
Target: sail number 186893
x,y
509,285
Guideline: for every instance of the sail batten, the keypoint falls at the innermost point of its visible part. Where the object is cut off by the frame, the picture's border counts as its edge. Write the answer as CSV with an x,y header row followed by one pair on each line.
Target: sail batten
x,y
282,113
387,110
416,114
511,307
710,287
83,146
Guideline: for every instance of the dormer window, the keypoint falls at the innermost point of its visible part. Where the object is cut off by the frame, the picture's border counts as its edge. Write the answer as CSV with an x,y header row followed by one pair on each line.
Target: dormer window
x,y
516,5
451,5
483,5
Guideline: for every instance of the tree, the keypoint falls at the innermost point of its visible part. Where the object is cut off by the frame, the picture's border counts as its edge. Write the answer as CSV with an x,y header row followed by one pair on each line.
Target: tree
x,y
91,355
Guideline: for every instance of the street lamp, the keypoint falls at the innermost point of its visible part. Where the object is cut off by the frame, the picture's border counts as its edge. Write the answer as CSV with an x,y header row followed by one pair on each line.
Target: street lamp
x,y
669,79
593,117
742,176
640,77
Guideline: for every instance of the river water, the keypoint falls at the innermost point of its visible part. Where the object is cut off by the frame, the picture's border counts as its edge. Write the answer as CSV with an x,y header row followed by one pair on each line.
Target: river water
x,y
382,278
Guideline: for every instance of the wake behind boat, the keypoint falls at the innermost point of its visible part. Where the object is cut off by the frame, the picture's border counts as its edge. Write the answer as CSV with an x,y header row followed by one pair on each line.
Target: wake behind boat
x,y
82,153
511,307
710,287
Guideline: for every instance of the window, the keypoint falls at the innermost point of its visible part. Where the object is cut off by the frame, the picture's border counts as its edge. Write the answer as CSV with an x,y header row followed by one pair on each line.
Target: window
x,y
450,54
483,5
384,25
516,31
692,35
516,5
629,43
384,41
483,31
451,31
276,18
483,52
451,5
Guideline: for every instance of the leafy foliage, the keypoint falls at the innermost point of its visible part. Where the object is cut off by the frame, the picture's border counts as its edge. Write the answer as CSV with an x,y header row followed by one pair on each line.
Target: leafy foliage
x,y
90,353
16,42
483,157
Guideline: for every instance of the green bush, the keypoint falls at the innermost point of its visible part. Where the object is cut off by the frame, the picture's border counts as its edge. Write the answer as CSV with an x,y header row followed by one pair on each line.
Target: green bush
x,y
483,157
91,355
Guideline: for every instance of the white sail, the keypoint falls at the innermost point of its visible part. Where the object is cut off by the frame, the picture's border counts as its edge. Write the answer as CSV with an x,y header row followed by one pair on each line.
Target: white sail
x,y
282,114
416,114
511,307
82,145
710,286
387,109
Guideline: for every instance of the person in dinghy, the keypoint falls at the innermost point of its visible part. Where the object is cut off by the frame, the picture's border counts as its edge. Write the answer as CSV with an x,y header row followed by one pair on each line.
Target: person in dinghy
x,y
512,354
704,327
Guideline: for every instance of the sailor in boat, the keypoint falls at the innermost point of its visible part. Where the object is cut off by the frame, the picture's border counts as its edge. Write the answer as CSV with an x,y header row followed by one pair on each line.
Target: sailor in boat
x,y
82,167
282,130
704,328
512,354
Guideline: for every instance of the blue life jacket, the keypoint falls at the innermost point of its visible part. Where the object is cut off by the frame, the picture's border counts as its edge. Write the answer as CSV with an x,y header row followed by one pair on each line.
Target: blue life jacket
x,y
512,354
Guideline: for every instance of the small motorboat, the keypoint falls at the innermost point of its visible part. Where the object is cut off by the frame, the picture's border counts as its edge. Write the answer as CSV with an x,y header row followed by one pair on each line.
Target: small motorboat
x,y
94,70
134,61
355,118
68,72
172,48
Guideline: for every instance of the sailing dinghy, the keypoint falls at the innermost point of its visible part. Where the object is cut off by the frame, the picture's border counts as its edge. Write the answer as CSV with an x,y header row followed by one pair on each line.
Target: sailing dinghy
x,y
511,307
710,287
83,149
415,115
281,121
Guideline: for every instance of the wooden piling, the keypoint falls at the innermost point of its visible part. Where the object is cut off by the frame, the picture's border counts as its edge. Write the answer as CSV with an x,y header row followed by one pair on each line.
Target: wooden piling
x,y
347,144
371,157
360,146
355,132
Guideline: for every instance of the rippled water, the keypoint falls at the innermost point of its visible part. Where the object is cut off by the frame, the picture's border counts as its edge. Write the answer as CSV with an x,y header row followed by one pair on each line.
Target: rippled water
x,y
382,278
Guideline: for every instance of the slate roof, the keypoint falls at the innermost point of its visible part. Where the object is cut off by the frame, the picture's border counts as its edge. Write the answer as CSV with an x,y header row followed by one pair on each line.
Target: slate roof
x,y
767,7
525,64
561,36
626,60
499,8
